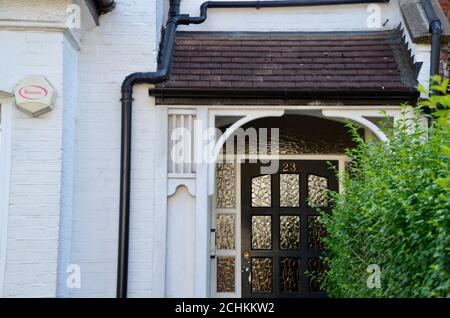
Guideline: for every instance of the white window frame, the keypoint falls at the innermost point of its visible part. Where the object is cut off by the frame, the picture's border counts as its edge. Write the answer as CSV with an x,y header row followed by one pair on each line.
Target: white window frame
x,y
5,168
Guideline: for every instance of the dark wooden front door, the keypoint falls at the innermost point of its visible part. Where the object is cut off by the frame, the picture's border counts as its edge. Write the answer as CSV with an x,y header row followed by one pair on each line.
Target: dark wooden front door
x,y
280,229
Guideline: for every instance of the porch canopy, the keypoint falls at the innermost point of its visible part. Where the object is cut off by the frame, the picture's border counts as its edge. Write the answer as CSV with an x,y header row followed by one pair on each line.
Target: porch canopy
x,y
279,68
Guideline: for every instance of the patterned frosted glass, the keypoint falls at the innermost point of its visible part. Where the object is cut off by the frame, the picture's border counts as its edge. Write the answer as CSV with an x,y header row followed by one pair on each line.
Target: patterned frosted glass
x,y
315,232
289,232
261,232
317,191
261,191
299,135
225,186
261,275
315,268
225,225
289,275
289,190
225,274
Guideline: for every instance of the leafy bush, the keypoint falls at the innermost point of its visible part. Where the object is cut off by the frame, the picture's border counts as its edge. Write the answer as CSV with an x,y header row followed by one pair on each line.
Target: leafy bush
x,y
394,212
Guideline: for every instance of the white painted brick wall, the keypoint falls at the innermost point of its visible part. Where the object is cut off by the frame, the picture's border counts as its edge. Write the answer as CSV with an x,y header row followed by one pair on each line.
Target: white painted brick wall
x,y
40,198
351,17
125,42
32,244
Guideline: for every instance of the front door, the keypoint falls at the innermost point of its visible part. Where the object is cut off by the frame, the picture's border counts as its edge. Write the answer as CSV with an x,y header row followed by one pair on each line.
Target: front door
x,y
280,230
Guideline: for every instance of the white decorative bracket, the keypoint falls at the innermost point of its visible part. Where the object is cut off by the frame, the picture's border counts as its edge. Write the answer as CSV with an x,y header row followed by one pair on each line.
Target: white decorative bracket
x,y
181,170
229,132
357,118
174,182
241,122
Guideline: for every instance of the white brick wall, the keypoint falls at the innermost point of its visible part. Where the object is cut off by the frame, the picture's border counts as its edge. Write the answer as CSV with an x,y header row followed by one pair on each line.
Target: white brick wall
x,y
124,42
351,17
36,163
38,236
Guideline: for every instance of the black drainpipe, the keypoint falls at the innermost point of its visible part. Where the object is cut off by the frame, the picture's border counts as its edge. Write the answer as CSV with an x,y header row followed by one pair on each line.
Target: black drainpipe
x,y
436,32
161,75
105,6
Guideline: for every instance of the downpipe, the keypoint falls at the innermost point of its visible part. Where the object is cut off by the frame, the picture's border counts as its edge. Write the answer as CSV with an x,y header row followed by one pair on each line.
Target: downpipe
x,y
105,6
435,58
435,29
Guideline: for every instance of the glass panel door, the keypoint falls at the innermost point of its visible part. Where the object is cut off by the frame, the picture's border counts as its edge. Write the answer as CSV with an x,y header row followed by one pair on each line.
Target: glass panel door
x,y
281,234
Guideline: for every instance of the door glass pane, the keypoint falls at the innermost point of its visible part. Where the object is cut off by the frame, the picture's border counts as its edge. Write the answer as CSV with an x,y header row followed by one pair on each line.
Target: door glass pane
x,y
261,275
290,275
225,274
225,231
317,191
315,232
225,186
261,191
289,190
315,268
289,232
261,232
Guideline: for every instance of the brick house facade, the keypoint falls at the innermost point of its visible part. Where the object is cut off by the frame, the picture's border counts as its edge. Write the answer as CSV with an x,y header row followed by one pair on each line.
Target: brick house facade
x,y
304,70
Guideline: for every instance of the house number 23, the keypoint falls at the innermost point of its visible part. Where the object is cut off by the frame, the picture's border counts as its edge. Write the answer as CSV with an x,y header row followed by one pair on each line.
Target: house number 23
x,y
288,166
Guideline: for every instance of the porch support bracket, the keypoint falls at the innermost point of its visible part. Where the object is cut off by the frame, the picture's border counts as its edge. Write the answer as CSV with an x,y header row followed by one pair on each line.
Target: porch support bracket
x,y
357,118
218,146
174,182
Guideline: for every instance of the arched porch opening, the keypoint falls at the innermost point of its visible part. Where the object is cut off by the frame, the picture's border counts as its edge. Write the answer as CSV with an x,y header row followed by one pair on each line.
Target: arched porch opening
x,y
313,133
303,139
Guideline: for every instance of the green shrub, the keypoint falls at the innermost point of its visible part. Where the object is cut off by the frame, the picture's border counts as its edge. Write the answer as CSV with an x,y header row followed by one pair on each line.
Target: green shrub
x,y
394,212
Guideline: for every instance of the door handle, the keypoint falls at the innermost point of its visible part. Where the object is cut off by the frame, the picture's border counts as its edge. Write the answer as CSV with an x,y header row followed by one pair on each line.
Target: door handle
x,y
212,246
245,261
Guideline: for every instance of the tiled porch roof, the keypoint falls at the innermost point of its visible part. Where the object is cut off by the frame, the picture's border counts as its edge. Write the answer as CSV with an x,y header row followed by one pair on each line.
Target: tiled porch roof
x,y
231,64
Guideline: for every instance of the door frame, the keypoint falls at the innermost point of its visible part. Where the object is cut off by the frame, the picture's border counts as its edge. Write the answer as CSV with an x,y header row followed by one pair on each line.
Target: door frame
x,y
340,158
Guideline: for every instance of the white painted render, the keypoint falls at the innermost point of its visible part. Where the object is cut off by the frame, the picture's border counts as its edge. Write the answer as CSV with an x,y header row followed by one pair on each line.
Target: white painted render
x,y
59,172
294,19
